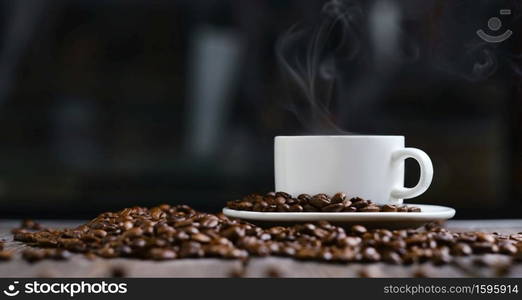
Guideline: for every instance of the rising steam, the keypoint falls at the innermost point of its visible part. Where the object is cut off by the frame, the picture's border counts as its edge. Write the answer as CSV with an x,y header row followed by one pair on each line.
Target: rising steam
x,y
355,54
314,71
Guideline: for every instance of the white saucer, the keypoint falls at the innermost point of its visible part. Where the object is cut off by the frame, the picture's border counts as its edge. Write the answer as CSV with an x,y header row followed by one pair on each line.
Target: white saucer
x,y
429,213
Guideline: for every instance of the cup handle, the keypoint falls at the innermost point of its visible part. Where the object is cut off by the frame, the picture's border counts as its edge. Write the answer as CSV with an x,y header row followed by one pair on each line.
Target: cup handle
x,y
426,172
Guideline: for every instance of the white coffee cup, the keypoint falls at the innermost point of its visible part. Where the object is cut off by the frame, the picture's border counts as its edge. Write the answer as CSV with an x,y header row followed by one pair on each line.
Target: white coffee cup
x,y
370,167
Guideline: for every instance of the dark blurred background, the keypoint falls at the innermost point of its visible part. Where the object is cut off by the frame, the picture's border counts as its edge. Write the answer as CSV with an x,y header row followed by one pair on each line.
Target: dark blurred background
x,y
106,104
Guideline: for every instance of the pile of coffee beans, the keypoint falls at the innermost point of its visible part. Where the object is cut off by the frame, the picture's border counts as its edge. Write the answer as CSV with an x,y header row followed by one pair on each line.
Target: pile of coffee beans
x,y
170,232
283,202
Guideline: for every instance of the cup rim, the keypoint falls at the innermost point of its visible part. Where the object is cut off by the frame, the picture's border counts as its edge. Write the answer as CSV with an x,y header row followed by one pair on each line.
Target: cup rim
x,y
362,136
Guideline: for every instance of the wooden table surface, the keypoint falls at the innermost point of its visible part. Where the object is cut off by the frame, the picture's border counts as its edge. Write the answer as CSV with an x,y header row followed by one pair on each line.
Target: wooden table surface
x,y
78,266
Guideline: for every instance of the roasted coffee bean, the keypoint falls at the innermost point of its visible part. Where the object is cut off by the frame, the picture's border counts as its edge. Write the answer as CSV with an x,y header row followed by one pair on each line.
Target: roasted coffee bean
x,y
484,247
392,257
233,232
350,209
461,249
359,203
260,206
134,232
507,248
245,205
338,198
296,208
99,233
304,198
349,241
161,254
371,255
335,207
402,208
199,237
106,252
319,201
309,208
389,208
33,255
31,225
370,208
282,207
485,237
441,256
191,249
5,255
356,199
209,222
414,209
283,194
358,229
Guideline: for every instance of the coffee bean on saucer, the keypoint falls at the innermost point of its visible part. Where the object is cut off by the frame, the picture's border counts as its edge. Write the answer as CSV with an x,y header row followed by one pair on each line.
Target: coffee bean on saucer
x,y
370,208
309,208
350,209
281,202
292,201
338,198
304,198
296,208
402,208
389,208
283,194
414,209
320,200
359,203
335,207
282,207
278,200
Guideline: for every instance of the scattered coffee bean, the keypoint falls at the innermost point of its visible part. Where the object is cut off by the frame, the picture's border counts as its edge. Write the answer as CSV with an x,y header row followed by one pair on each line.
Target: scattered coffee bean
x,y
33,255
5,255
173,232
462,249
358,229
31,225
